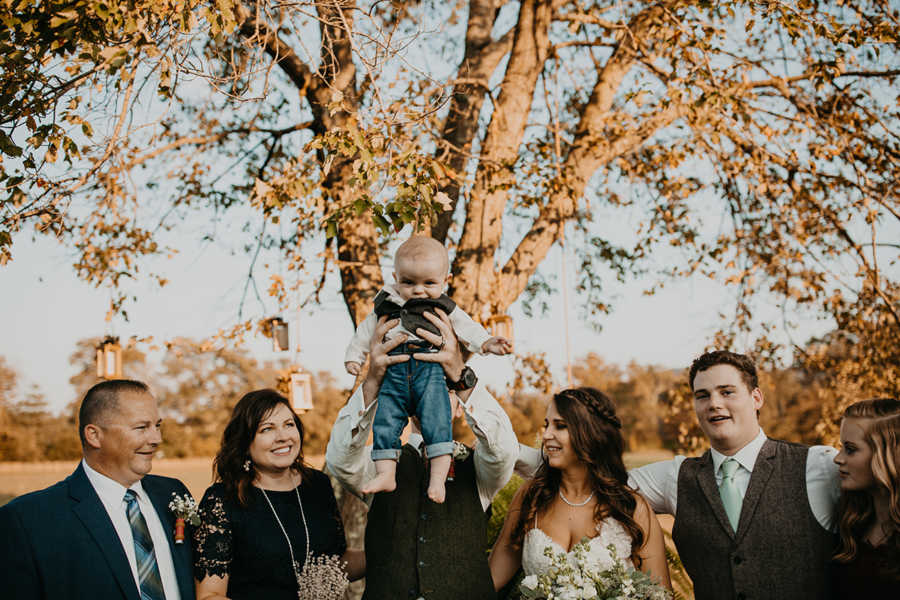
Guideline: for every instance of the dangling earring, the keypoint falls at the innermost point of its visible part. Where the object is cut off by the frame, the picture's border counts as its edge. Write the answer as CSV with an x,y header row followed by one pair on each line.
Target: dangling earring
x,y
247,465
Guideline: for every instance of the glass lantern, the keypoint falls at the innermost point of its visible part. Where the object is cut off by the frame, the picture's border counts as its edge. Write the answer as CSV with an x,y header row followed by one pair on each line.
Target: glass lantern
x,y
109,359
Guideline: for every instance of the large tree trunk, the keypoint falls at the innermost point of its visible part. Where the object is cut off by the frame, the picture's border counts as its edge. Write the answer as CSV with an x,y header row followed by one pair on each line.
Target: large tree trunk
x,y
481,58
357,238
474,277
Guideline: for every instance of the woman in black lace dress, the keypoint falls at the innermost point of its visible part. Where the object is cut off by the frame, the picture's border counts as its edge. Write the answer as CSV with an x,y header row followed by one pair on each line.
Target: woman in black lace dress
x,y
270,526
867,564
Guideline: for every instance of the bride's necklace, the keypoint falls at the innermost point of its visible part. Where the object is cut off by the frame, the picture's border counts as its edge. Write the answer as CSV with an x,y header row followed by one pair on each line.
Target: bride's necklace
x,y
576,504
294,564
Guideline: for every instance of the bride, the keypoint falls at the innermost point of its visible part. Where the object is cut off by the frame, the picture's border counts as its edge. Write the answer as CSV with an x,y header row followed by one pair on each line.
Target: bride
x,y
579,491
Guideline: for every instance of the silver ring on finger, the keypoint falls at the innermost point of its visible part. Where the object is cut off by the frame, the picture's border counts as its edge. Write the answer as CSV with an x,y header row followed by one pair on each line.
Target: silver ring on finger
x,y
441,347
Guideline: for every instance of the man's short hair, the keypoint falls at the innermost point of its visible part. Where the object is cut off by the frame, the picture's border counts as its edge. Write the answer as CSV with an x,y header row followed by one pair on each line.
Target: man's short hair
x,y
103,399
741,362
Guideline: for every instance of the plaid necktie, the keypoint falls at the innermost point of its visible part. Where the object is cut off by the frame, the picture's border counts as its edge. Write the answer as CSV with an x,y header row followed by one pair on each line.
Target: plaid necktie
x,y
728,490
148,571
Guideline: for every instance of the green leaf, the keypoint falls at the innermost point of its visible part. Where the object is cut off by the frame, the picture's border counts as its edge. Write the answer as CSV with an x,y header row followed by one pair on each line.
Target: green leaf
x,y
381,224
8,147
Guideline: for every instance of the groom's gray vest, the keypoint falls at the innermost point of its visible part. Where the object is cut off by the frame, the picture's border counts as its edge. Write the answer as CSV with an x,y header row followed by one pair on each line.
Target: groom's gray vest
x,y
417,548
780,551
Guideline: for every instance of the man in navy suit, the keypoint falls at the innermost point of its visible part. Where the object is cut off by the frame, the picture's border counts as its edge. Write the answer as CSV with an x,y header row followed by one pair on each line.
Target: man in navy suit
x,y
105,531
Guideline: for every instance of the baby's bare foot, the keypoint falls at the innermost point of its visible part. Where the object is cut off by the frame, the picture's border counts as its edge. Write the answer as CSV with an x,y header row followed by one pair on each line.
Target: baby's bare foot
x,y
384,482
437,492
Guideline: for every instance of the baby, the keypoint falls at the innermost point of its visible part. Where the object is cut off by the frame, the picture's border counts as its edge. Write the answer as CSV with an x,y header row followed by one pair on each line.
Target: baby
x,y
416,388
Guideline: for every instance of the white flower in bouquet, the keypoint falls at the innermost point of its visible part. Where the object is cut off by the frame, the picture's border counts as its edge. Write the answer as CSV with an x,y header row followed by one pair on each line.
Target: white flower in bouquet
x,y
577,576
323,578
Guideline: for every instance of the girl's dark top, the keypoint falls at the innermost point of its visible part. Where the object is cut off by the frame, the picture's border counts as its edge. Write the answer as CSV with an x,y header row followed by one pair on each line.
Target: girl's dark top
x,y
248,546
874,573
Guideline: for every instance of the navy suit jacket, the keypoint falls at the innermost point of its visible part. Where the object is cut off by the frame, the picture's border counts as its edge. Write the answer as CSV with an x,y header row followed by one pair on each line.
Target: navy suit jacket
x,y
59,543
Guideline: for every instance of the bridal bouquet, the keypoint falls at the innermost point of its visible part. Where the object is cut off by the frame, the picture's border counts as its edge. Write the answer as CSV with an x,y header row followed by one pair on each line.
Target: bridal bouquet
x,y
576,576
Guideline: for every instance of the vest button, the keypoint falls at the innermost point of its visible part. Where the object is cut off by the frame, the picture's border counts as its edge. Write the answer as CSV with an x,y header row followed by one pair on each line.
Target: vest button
x,y
738,560
422,538
424,516
742,596
421,563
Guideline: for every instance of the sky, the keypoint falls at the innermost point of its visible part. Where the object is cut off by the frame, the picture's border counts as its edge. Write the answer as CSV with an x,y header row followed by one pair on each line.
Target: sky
x,y
47,310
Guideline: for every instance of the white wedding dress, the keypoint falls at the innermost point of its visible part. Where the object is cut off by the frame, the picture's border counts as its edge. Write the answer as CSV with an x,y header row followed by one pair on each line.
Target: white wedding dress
x,y
610,531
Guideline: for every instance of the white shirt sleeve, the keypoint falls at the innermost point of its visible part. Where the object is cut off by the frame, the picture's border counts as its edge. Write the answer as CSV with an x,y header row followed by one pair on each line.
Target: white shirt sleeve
x,y
468,331
347,456
358,348
823,485
528,461
658,483
496,447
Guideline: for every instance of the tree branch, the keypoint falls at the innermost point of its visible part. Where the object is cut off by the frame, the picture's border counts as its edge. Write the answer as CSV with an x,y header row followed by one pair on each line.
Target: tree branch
x,y
482,55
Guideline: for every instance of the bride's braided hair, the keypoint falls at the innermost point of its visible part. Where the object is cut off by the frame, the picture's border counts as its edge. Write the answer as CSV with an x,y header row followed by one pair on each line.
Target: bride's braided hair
x,y
597,404
596,438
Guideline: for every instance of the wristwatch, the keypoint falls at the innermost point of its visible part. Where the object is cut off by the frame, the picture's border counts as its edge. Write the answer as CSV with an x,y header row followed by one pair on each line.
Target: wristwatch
x,y
467,380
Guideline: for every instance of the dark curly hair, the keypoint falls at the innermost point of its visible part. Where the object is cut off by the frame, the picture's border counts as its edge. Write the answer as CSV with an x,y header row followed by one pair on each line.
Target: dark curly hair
x,y
743,363
228,466
596,437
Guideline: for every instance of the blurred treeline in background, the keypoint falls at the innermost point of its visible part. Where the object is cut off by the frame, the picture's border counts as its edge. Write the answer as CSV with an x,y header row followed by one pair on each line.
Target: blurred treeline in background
x,y
197,388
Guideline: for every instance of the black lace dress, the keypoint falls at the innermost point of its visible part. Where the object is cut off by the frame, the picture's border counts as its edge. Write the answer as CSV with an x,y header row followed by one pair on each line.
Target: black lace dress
x,y
248,546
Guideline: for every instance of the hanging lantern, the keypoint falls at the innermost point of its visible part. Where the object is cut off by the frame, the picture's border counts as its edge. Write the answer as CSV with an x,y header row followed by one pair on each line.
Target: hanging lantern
x,y
500,326
278,329
109,359
301,391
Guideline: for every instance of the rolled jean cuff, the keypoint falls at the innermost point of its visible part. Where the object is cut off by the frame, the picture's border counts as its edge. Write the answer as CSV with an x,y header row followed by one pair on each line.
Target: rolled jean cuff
x,y
386,454
439,449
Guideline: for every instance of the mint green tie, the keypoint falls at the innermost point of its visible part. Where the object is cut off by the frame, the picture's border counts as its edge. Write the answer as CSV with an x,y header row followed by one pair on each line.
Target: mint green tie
x,y
728,490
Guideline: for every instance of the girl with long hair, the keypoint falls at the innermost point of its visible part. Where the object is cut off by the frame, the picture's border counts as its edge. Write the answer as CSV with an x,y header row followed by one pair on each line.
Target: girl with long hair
x,y
579,491
867,564
268,513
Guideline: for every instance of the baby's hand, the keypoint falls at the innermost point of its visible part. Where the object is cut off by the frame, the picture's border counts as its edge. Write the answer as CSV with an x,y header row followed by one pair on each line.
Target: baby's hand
x,y
497,345
352,367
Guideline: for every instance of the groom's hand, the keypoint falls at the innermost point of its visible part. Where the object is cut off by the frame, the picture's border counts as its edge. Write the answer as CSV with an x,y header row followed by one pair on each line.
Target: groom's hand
x,y
450,355
379,359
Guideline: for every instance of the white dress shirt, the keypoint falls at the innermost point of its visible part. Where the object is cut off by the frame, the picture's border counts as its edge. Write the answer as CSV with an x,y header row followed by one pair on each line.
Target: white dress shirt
x,y
658,482
112,495
466,329
349,458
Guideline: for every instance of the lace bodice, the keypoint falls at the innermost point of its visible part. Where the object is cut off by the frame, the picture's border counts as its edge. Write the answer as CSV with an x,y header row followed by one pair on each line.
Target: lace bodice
x,y
535,562
247,544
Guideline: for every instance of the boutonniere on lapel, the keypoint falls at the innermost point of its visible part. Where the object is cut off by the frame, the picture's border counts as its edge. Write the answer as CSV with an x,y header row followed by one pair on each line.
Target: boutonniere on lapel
x,y
185,509
460,452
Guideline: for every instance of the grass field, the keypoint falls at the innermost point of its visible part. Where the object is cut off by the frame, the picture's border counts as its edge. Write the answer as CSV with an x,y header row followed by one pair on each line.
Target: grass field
x,y
17,478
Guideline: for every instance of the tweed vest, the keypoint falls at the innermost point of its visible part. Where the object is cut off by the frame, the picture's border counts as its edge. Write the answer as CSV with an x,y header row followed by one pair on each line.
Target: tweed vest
x,y
416,548
780,550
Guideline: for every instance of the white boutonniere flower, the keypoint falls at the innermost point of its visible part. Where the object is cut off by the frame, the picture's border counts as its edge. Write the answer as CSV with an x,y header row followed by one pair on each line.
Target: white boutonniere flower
x,y
185,510
460,451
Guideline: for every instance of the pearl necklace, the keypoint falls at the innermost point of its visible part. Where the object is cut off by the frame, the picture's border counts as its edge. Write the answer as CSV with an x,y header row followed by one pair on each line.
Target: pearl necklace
x,y
576,504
